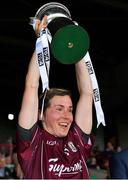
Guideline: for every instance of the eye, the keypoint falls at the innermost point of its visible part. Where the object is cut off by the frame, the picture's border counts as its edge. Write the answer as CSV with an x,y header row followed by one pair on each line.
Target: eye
x,y
71,109
59,108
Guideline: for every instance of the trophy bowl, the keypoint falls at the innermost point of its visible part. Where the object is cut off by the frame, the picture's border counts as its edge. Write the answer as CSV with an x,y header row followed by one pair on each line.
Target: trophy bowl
x,y
70,42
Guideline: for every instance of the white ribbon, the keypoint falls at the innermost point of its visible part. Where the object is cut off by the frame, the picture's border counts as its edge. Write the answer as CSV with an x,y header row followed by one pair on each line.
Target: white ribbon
x,y
43,60
96,93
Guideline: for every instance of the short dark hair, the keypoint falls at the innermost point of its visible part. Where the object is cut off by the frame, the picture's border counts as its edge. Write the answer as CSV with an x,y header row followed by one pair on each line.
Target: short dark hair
x,y
50,93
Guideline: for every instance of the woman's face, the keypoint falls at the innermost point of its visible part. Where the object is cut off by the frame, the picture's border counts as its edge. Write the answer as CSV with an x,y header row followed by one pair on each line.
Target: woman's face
x,y
58,116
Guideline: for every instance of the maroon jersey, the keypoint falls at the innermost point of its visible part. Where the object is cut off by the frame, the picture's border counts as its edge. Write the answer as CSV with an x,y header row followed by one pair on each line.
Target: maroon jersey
x,y
49,157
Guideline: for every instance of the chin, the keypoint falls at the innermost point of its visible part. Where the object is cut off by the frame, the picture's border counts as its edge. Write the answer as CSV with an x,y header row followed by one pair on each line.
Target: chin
x,y
62,135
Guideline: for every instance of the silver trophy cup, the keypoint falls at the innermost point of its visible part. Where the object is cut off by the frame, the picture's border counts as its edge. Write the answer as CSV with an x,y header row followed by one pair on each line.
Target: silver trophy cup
x,y
70,42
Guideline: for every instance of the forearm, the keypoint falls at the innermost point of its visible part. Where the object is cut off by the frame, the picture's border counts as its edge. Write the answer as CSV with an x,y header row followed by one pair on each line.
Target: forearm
x,y
29,108
32,78
83,78
83,116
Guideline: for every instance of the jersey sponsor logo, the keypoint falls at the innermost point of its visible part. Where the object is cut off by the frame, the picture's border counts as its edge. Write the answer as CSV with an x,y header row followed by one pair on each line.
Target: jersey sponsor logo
x,y
60,169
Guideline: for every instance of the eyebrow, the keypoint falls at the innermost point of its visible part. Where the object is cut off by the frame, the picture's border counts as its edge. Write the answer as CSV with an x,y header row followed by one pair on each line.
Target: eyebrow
x,y
62,105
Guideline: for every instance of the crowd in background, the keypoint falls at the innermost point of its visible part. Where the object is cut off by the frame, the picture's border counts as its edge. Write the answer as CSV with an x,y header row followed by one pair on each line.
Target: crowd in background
x,y
9,166
99,160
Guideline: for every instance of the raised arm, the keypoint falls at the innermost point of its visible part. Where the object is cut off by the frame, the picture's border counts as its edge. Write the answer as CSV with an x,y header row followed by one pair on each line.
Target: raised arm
x,y
29,109
83,116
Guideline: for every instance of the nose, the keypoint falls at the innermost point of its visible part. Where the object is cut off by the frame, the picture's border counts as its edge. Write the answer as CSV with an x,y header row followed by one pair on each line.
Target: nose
x,y
67,115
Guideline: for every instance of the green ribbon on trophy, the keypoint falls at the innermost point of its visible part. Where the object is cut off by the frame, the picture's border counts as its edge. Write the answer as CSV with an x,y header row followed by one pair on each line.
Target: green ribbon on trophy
x,y
69,43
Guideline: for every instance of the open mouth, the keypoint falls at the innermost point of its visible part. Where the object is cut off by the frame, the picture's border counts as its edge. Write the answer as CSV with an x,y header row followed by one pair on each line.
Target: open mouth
x,y
63,124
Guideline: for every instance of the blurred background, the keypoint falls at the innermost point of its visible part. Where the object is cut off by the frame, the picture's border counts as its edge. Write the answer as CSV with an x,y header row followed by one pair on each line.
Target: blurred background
x,y
106,23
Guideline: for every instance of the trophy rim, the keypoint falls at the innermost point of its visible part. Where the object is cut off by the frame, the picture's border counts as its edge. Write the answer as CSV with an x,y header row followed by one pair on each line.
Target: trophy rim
x,y
51,5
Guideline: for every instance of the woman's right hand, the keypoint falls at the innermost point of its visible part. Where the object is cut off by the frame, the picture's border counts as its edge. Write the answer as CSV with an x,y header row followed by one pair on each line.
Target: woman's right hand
x,y
41,24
